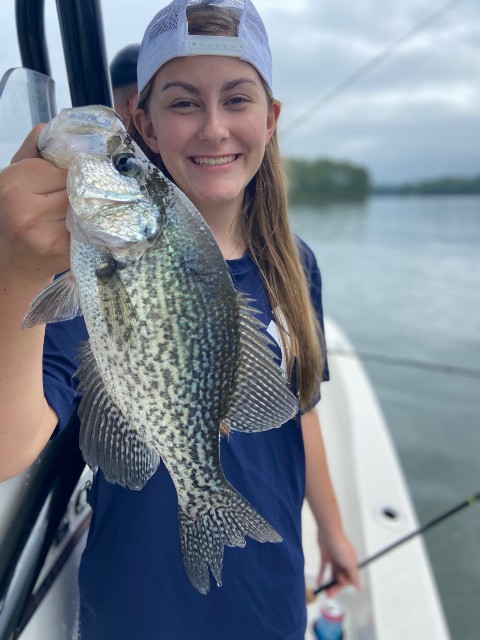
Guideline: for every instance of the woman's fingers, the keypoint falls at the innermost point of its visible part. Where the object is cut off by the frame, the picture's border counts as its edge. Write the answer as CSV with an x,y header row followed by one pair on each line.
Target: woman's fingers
x,y
33,207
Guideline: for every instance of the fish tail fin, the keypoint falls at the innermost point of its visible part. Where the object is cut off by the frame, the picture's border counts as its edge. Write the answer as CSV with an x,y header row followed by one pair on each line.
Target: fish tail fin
x,y
228,520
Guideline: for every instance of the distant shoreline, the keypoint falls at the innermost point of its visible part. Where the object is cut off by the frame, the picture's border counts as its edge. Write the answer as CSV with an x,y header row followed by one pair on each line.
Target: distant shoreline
x,y
323,180
402,194
441,187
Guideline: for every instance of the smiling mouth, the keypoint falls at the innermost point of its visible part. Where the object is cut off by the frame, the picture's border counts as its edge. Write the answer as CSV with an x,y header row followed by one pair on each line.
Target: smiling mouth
x,y
212,162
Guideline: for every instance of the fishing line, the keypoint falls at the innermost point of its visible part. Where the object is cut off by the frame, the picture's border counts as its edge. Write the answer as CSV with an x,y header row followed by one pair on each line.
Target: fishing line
x,y
380,57
470,501
466,372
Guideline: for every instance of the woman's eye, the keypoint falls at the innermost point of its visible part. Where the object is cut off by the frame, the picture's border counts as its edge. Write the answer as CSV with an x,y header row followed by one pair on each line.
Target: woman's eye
x,y
237,101
183,104
128,165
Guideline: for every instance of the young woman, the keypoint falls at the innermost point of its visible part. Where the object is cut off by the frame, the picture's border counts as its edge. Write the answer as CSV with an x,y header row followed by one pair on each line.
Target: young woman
x,y
209,122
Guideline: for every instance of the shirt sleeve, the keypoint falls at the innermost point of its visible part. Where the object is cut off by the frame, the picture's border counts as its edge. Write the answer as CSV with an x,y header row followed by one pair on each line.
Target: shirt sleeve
x,y
62,342
314,280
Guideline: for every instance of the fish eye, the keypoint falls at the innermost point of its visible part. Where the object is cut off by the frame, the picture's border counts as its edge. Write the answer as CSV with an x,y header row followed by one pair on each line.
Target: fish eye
x,y
128,165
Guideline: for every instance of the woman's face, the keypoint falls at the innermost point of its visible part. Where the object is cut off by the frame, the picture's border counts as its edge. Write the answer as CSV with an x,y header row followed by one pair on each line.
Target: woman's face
x,y
210,120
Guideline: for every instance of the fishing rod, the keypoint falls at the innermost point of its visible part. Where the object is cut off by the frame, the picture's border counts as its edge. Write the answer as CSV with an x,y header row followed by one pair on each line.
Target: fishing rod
x,y
379,358
312,593
380,57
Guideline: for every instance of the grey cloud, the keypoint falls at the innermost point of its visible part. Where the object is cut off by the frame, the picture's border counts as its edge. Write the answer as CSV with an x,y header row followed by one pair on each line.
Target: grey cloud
x,y
414,115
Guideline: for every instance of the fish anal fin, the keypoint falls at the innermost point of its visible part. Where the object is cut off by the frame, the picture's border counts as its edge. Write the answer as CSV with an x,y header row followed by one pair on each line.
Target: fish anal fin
x,y
107,440
59,301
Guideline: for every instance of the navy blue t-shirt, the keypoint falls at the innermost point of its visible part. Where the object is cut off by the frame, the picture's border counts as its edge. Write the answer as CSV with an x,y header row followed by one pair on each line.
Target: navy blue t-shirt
x,y
132,580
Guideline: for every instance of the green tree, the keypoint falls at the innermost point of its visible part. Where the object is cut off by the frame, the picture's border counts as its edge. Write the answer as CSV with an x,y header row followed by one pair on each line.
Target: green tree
x,y
325,180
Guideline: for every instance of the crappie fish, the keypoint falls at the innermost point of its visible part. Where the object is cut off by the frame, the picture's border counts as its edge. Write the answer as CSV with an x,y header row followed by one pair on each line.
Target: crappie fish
x,y
173,348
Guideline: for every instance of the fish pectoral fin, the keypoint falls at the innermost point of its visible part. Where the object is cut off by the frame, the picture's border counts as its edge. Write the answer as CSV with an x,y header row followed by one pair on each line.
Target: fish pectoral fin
x,y
227,521
59,301
262,399
117,309
107,440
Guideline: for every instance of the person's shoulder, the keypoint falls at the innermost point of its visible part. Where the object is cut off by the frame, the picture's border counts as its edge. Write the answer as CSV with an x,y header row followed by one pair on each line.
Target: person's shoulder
x,y
307,256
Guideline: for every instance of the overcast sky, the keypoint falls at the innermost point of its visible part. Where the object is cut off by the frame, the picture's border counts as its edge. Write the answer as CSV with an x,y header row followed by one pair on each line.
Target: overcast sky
x,y
416,115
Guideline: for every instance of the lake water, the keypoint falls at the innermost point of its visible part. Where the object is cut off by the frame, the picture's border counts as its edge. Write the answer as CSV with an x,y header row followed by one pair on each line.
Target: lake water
x,y
402,278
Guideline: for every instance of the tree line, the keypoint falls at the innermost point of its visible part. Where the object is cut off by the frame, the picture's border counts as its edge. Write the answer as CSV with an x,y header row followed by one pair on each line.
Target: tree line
x,y
443,186
325,180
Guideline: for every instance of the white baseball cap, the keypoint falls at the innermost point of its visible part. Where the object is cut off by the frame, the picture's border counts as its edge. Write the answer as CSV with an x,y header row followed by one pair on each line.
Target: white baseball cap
x,y
167,37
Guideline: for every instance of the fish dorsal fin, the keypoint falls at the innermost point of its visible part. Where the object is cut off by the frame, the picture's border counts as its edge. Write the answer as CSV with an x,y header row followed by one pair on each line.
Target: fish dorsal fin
x,y
59,301
107,440
262,399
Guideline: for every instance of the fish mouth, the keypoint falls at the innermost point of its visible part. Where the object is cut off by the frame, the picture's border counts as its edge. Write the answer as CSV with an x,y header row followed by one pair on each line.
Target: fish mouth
x,y
211,161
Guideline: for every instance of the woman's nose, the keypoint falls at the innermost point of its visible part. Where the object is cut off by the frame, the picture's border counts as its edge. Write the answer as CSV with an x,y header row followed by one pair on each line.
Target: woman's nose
x,y
214,125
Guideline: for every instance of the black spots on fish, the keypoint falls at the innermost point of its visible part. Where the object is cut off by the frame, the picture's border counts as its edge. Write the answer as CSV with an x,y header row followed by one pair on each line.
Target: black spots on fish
x,y
199,262
160,189
116,308
128,165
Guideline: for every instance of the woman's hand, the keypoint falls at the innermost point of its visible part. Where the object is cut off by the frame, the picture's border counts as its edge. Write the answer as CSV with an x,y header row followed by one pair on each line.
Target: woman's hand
x,y
34,246
34,240
339,554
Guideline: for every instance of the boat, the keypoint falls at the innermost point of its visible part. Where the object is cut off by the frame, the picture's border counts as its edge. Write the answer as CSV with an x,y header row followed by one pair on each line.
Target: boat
x,y
399,598
44,515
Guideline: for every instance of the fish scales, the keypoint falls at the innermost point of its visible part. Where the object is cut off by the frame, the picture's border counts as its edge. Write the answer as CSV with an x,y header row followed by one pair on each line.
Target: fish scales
x,y
179,328
173,349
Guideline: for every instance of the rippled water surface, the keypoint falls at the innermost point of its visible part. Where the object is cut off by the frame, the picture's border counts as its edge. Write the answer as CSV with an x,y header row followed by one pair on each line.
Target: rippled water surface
x,y
402,278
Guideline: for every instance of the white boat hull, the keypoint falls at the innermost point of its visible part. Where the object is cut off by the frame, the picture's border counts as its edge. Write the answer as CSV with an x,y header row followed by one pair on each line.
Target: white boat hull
x,y
399,599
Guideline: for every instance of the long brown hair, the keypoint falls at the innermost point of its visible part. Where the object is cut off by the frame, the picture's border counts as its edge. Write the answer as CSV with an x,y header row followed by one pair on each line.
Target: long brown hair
x,y
266,232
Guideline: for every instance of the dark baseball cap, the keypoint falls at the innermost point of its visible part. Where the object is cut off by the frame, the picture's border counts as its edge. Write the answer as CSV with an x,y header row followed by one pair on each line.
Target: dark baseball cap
x,y
123,68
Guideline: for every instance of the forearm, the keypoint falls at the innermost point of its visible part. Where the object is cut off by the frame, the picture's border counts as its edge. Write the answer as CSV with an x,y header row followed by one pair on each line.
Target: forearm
x,y
335,547
26,420
319,488
33,247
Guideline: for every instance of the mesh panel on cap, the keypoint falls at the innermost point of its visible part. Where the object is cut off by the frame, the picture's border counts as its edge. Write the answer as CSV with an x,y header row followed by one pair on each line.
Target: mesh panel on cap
x,y
251,28
165,38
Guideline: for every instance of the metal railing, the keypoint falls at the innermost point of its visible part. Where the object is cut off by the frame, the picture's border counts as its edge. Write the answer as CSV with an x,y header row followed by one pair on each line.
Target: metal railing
x,y
57,470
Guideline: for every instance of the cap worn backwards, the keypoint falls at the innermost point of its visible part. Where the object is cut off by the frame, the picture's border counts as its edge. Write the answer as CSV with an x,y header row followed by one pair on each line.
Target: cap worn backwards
x,y
167,37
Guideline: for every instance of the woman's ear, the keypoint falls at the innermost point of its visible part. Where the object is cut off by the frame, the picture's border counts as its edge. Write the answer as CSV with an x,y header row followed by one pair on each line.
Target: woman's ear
x,y
144,125
272,118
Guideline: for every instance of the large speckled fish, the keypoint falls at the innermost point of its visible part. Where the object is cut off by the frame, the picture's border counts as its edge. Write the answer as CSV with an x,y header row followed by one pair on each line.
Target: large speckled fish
x,y
174,350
